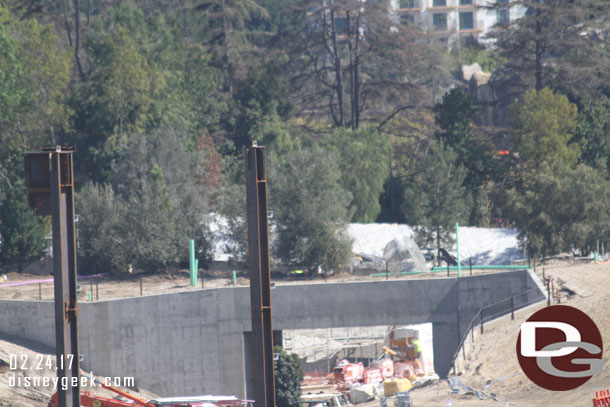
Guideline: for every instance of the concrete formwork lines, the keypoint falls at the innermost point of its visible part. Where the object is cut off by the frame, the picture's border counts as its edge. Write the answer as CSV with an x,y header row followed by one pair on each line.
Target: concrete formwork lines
x,y
193,343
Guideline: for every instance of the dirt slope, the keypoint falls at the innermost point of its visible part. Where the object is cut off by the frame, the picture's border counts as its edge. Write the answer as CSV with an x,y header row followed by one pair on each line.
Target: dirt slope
x,y
493,355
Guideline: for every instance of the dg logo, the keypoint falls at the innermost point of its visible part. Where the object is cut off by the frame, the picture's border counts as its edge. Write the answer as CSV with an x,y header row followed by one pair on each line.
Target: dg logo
x,y
560,348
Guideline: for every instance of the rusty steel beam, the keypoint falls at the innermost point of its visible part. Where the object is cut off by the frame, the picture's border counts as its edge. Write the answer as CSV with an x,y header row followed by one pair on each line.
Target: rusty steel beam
x,y
260,277
50,182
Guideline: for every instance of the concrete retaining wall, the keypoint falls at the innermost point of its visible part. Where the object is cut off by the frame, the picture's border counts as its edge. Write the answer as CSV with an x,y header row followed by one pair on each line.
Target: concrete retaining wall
x,y
193,342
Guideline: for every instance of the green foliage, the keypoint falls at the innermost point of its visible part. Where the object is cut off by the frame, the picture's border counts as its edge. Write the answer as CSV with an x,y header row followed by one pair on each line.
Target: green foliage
x,y
288,378
46,115
364,162
544,123
435,199
454,116
103,244
11,77
560,208
258,99
310,208
488,60
21,232
119,92
554,45
593,133
474,149
160,193
34,75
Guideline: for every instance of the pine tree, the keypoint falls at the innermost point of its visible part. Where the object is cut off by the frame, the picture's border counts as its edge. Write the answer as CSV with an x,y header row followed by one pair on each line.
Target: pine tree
x,y
436,197
21,232
554,44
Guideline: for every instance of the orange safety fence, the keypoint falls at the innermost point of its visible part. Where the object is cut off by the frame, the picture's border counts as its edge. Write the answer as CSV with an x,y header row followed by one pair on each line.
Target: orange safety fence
x,y
316,379
602,398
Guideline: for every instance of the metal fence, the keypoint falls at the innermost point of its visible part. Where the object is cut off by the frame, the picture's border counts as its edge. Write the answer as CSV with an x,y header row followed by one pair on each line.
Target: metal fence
x,y
490,312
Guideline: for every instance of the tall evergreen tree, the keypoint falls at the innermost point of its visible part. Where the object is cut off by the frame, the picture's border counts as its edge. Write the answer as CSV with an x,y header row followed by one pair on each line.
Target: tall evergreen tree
x,y
21,232
555,44
593,133
288,378
435,199
310,208
365,164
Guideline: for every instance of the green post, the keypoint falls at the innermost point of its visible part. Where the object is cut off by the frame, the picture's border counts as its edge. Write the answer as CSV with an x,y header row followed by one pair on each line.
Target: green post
x,y
595,257
457,248
196,272
234,278
192,263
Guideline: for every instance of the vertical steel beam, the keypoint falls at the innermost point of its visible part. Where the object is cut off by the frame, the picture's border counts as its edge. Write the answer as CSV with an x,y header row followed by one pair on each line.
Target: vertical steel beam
x,y
64,268
260,278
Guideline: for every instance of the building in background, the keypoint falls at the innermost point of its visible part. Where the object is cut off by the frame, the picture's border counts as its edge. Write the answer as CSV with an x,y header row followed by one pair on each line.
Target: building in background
x,y
456,22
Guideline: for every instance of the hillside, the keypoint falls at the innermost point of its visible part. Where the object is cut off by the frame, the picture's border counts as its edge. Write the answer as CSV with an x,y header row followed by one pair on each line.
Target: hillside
x,y
493,356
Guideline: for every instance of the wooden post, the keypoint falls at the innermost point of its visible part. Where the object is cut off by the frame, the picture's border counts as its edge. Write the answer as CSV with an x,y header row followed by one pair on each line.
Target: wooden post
x,y
39,291
140,287
481,320
512,307
470,262
97,292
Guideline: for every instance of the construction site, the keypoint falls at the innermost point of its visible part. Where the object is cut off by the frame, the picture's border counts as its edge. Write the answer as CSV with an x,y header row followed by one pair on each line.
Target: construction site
x,y
435,337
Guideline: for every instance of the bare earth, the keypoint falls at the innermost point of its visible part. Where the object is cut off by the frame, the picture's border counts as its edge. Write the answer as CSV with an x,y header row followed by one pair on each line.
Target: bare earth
x,y
491,358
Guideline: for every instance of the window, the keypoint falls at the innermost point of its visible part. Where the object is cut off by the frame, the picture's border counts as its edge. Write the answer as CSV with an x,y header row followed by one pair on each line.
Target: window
x,y
407,19
407,4
466,21
439,22
503,16
341,25
465,2
439,3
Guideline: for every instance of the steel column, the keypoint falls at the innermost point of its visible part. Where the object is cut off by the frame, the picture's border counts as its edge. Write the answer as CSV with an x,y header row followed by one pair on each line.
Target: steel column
x,y
50,182
64,267
260,279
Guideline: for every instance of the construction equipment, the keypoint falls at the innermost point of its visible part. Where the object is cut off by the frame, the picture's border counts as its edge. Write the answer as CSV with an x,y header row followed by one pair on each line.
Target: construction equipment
x,y
346,374
89,399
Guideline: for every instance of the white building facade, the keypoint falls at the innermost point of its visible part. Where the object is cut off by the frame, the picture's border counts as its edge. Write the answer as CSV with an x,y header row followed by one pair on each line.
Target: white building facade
x,y
456,22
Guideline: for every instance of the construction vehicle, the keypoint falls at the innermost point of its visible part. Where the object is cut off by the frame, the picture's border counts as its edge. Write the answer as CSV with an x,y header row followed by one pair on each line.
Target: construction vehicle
x,y
89,399
345,374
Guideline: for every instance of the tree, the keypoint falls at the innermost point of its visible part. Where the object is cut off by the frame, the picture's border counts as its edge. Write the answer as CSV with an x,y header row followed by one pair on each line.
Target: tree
x,y
364,160
102,245
544,124
21,232
310,208
350,62
34,75
258,99
167,188
225,31
474,149
560,209
158,201
435,199
288,378
593,133
554,45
